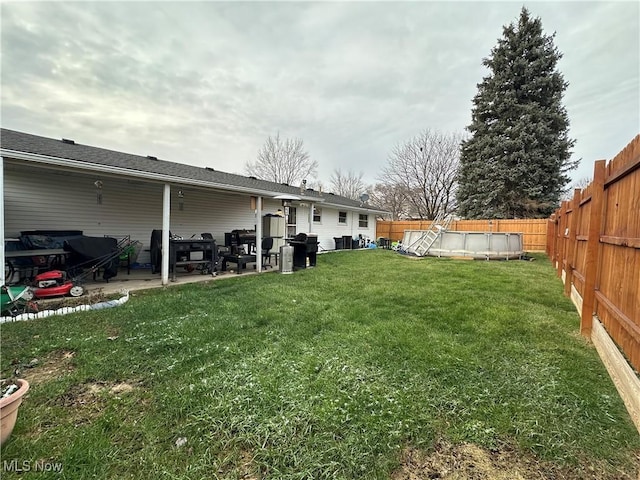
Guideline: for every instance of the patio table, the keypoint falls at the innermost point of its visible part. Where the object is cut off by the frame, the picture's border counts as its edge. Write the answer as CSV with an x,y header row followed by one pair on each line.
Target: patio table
x,y
240,260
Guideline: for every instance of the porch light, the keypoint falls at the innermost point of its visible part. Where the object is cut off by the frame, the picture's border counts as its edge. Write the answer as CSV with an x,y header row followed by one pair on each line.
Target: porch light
x,y
98,185
180,200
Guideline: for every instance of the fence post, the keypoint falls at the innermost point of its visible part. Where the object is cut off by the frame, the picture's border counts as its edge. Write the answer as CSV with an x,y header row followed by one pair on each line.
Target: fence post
x,y
551,237
593,248
547,248
571,251
562,222
556,223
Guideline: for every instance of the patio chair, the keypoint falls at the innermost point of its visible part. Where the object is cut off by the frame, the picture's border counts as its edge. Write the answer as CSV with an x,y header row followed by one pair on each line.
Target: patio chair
x,y
267,245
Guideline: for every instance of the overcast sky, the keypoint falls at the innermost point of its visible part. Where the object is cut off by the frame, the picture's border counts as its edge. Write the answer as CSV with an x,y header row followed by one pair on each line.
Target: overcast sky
x,y
206,83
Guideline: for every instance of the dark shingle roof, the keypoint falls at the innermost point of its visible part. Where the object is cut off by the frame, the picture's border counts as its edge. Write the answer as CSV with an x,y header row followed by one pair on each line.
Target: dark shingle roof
x,y
27,143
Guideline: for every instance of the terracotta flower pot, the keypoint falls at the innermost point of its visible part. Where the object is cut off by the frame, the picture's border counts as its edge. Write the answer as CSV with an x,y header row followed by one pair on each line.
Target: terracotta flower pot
x,y
9,410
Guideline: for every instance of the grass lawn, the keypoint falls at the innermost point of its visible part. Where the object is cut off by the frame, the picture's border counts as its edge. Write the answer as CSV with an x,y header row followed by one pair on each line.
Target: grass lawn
x,y
371,365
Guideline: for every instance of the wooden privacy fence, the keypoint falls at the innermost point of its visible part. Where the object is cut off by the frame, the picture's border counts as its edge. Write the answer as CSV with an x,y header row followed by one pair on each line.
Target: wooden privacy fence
x,y
534,230
594,241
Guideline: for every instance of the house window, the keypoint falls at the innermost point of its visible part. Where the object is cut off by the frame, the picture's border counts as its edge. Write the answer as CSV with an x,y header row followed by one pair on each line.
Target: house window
x,y
317,215
342,218
363,221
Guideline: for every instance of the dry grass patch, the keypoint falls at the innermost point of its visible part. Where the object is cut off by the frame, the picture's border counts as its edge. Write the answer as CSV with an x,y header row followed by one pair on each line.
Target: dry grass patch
x,y
238,464
87,401
472,462
466,461
52,367
82,403
246,466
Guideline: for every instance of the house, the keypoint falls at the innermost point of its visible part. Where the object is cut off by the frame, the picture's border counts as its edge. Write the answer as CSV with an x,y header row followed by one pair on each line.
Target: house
x,y
57,184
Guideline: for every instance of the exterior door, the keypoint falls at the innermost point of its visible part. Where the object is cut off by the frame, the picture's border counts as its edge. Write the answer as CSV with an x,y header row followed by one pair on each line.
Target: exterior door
x,y
290,216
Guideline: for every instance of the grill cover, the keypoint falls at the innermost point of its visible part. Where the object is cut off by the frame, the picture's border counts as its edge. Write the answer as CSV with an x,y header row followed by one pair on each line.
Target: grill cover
x,y
94,252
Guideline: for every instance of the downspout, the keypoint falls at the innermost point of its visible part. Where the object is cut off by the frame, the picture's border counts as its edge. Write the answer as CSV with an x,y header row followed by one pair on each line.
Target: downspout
x,y
2,279
259,234
352,224
166,216
311,206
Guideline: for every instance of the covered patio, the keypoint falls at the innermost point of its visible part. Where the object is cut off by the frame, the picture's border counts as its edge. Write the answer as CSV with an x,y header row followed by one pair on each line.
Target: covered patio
x,y
50,184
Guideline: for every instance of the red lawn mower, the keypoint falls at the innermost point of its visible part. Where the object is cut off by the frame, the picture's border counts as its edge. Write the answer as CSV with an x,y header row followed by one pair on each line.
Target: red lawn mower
x,y
55,283
87,255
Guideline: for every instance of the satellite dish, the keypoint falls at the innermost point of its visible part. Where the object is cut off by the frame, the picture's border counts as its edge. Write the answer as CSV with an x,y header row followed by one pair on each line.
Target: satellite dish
x,y
364,198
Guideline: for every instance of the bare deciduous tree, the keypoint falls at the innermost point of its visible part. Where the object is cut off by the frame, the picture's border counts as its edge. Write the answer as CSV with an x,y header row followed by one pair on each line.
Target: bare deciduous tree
x,y
348,184
426,166
392,198
580,183
283,161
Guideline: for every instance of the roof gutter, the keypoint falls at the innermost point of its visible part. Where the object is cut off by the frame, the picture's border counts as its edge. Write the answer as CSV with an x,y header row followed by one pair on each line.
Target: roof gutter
x,y
150,176
357,209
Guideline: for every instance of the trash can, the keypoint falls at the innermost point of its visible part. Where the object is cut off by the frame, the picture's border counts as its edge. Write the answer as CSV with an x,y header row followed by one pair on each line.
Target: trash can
x,y
312,249
347,241
339,243
286,259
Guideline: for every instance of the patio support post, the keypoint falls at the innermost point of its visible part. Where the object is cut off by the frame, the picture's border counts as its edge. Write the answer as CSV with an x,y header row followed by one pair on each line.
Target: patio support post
x,y
2,279
166,208
259,234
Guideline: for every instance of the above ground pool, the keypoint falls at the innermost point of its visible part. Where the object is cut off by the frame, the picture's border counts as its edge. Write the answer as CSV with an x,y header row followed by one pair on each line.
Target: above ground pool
x,y
482,245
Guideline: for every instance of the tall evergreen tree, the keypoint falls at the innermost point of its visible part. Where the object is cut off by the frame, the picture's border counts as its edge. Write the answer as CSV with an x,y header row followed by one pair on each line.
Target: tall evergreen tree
x,y
516,161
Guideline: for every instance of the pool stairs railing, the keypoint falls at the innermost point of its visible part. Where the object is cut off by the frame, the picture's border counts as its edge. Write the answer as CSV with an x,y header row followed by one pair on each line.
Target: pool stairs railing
x,y
420,247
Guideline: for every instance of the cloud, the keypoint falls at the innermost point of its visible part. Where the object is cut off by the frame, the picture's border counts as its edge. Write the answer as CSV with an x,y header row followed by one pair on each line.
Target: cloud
x,y
207,82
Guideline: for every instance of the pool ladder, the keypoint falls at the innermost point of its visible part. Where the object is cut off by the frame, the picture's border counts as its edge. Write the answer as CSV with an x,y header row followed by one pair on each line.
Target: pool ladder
x,y
424,242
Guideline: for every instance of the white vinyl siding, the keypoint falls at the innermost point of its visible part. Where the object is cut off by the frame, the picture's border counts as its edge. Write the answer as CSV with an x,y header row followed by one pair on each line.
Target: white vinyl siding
x,y
38,199
330,228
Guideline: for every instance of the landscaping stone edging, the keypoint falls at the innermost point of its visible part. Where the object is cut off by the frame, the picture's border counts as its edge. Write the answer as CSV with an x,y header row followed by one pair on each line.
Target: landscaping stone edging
x,y
66,310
